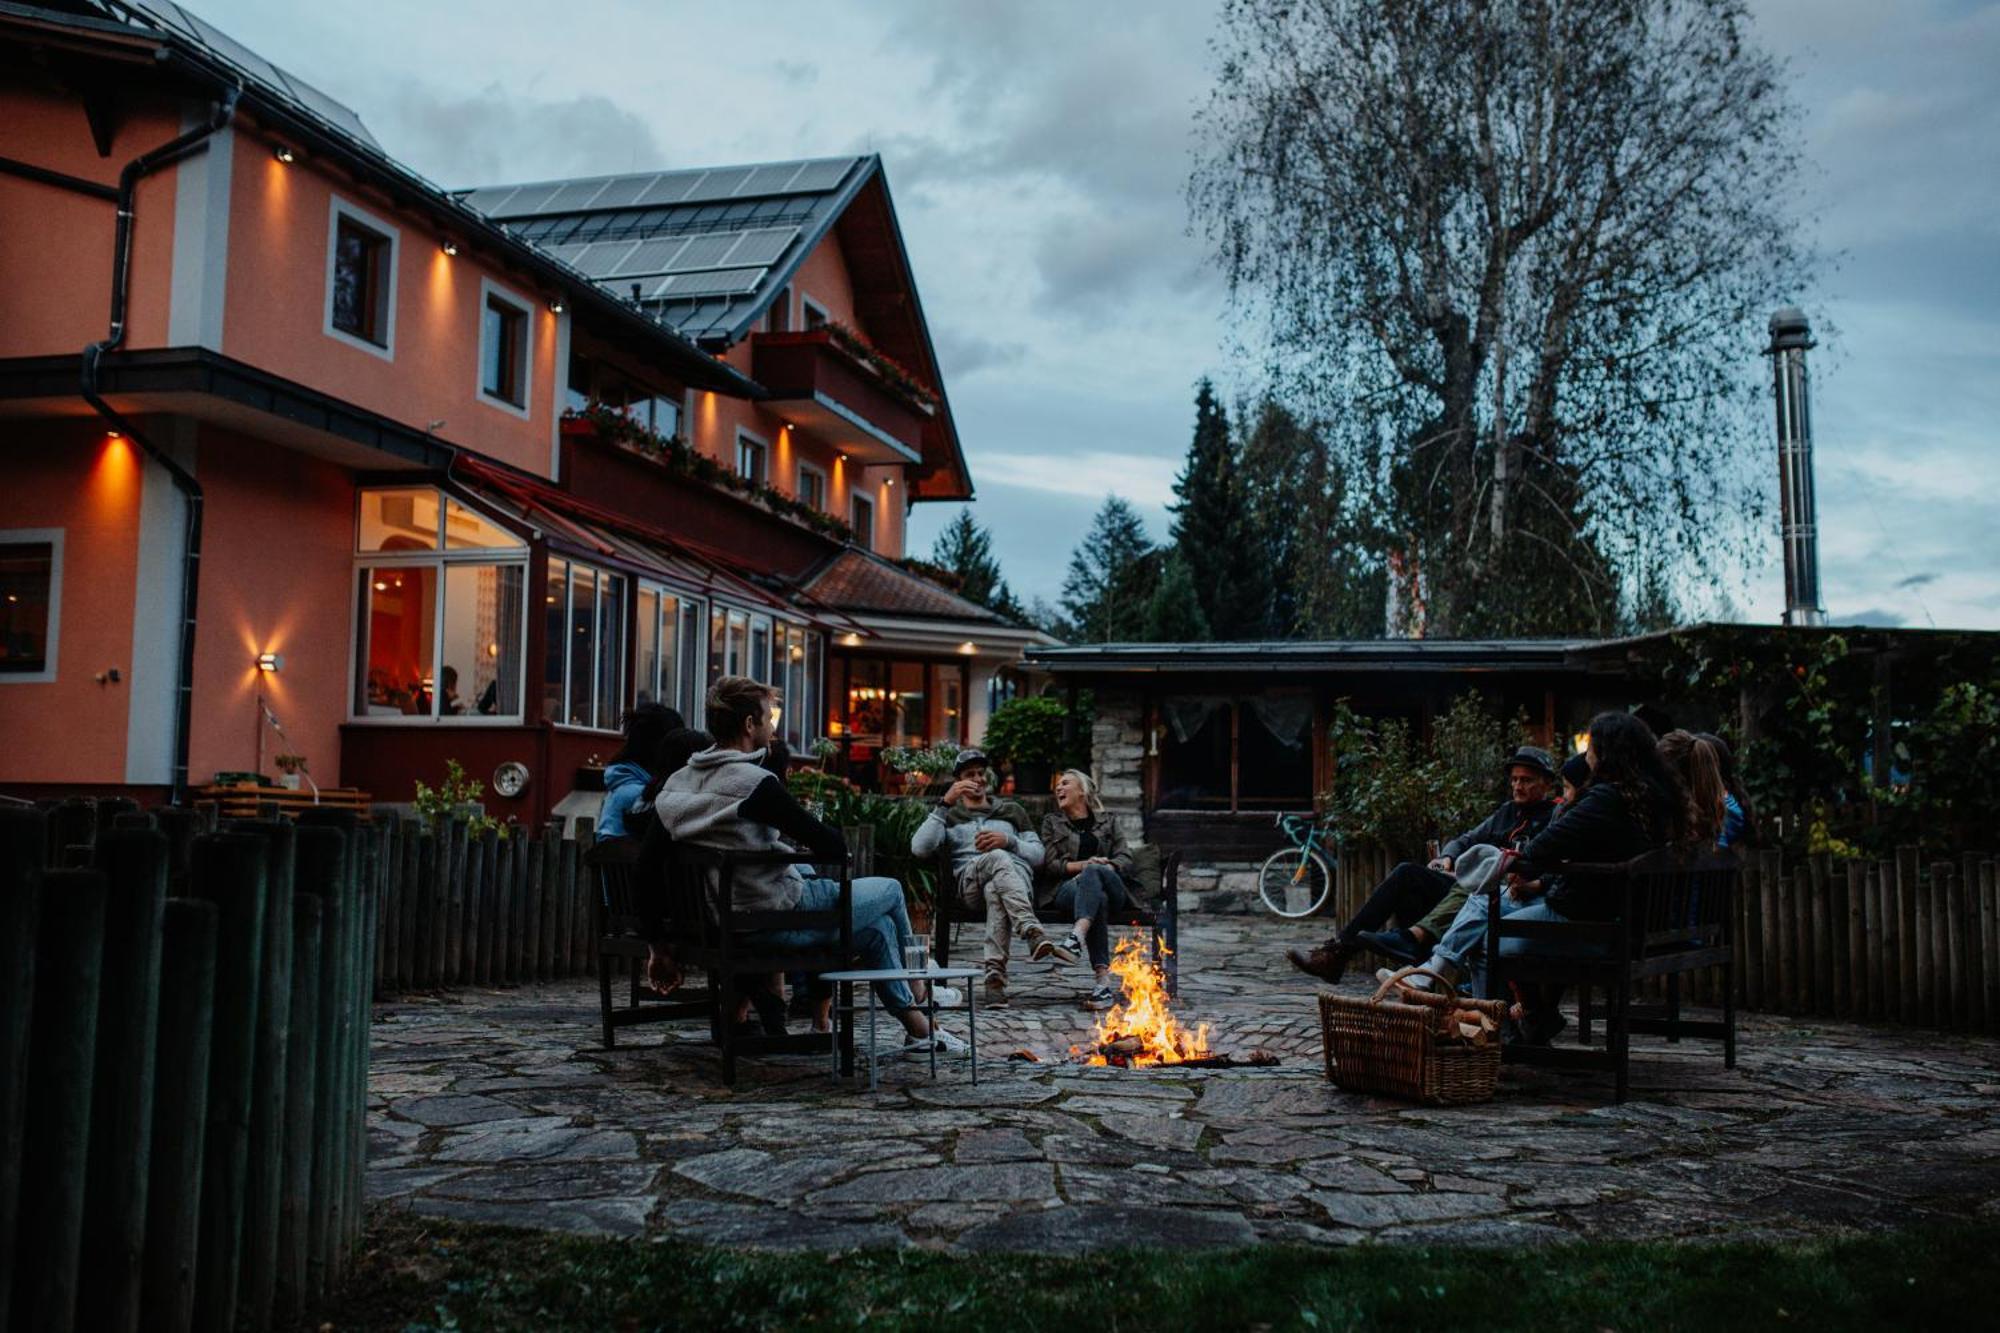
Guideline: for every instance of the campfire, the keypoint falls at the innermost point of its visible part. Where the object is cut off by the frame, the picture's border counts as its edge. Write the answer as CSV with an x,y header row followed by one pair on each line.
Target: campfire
x,y
1142,1031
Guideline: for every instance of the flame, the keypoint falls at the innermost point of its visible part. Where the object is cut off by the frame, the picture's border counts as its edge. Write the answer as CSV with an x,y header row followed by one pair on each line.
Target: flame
x,y
1145,1013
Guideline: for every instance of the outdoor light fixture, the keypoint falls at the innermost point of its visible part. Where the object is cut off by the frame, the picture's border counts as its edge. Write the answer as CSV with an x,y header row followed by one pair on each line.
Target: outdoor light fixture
x,y
271,662
284,154
555,305
510,779
968,647
450,247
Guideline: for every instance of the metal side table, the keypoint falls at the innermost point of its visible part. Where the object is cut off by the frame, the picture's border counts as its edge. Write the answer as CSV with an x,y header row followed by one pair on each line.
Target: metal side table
x,y
933,975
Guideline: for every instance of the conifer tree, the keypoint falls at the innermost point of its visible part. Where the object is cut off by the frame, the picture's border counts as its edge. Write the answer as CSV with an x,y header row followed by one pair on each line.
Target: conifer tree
x,y
1212,529
1173,615
1111,577
966,550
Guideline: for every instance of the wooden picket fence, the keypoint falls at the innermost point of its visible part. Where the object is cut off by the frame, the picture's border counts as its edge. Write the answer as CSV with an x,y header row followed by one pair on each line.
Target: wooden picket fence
x,y
184,1014
1901,940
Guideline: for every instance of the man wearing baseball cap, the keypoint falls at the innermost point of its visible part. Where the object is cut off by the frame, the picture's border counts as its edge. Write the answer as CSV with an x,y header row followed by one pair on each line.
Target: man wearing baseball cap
x,y
1422,900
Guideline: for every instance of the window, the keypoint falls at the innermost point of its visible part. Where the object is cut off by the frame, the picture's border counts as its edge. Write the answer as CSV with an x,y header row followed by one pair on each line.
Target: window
x,y
584,666
811,313
749,457
1252,753
440,610
30,598
812,486
663,661
503,349
861,517
361,280
798,676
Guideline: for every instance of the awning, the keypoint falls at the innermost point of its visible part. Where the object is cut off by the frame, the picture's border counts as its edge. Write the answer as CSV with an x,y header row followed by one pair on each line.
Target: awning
x,y
586,531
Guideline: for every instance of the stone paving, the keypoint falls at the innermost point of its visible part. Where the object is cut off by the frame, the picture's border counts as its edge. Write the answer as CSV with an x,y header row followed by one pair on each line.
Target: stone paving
x,y
500,1106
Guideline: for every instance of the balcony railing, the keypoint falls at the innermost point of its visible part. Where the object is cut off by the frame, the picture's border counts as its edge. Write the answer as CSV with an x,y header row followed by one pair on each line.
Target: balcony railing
x,y
830,383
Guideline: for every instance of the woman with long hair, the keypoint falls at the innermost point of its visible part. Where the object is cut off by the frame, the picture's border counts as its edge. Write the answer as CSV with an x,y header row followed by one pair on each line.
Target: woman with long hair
x,y
628,774
1739,825
1082,875
1700,772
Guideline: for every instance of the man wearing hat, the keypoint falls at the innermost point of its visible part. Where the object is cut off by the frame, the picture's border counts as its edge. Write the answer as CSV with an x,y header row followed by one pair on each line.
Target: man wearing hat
x,y
1424,899
994,852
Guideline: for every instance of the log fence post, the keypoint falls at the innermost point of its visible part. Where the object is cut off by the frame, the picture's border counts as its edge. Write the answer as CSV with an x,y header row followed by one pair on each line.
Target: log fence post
x,y
301,1101
1910,993
24,841
189,937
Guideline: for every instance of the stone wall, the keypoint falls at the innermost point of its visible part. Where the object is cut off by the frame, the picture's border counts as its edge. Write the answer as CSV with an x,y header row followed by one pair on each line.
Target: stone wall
x,y
1117,757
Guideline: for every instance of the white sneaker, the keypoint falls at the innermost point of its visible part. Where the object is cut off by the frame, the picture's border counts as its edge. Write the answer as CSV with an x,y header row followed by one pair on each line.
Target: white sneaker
x,y
939,1040
947,997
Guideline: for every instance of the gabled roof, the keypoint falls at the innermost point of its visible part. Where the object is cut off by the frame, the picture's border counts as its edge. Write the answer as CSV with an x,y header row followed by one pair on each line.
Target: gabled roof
x,y
709,249
855,580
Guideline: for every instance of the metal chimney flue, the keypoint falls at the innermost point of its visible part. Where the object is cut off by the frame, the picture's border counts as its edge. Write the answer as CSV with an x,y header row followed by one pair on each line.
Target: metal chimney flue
x,y
1791,335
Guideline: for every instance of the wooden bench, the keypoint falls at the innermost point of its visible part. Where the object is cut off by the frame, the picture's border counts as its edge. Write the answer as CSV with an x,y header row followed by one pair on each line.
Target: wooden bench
x,y
1674,915
622,919
1155,867
241,800
707,932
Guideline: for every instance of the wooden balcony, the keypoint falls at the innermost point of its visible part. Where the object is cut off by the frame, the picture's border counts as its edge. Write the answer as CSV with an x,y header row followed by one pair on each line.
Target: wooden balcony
x,y
821,387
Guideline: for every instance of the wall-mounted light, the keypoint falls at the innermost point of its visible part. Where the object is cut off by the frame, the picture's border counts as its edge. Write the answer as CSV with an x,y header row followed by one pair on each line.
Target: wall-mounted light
x,y
968,647
271,662
850,641
285,154
450,247
112,436
555,305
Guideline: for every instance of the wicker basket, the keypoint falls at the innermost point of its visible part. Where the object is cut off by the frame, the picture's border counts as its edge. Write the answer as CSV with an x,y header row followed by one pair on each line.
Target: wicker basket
x,y
1392,1046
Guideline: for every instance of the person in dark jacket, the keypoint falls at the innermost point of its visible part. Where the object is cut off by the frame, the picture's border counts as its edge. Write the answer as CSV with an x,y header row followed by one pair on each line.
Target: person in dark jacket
x,y
1632,804
1411,893
627,776
1082,875
669,757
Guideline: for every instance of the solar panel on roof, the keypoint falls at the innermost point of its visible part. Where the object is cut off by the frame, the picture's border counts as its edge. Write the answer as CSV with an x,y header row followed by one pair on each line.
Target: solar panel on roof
x,y
530,198
822,175
570,254
622,191
719,184
490,200
771,179
650,257
576,195
602,259
720,282
760,247
670,188
707,251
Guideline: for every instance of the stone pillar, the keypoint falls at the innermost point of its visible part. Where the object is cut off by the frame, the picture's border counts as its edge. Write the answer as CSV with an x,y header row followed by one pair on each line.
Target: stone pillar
x,y
1117,759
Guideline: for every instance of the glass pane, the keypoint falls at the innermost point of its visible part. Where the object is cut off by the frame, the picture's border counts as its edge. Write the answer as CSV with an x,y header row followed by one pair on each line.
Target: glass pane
x,y
948,703
718,644
1274,770
610,651
482,641
691,682
468,529
402,637
399,520
818,711
739,644
493,350
668,691
760,652
906,697
646,682
1194,772
555,645
26,570
582,641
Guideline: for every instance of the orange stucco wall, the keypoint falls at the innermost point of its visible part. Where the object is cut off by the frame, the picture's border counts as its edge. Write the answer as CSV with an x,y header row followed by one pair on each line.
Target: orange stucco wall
x,y
277,561
280,234
715,420
56,273
68,475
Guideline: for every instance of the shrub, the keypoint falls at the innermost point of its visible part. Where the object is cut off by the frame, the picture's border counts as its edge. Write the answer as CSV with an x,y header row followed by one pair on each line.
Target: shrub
x,y
1393,790
1027,730
456,795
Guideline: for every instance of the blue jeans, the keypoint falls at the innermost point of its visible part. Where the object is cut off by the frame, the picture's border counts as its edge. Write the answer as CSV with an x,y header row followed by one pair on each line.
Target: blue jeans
x,y
1465,938
881,928
1090,893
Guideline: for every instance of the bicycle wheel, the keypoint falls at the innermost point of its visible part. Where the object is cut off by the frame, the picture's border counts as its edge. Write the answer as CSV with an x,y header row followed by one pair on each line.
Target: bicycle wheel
x,y
1294,882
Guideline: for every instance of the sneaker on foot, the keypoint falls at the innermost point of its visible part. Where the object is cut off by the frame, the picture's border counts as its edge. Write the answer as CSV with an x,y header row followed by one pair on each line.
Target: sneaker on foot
x,y
1328,963
1071,943
1416,980
1106,994
994,993
939,1040
947,997
1041,947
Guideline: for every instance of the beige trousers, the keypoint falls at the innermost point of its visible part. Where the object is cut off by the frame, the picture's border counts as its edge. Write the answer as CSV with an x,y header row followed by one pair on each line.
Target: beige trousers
x,y
995,880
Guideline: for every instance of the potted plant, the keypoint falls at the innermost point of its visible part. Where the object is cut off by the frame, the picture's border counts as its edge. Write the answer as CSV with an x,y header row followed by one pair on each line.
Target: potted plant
x,y
1028,733
290,769
918,765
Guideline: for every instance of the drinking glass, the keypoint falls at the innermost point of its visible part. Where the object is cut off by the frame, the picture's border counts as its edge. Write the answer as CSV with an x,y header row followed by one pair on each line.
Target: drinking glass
x,y
916,955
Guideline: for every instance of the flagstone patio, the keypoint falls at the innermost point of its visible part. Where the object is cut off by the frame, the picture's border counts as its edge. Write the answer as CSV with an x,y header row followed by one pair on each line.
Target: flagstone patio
x,y
500,1106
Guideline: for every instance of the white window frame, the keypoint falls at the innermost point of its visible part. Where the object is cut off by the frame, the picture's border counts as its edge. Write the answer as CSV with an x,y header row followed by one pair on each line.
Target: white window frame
x,y
861,493
745,433
825,482
626,645
807,303
436,559
54,537
491,290
687,695
337,209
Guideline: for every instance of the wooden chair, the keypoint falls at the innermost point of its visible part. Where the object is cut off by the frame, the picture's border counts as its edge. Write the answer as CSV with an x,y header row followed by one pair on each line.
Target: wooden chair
x,y
706,930
622,919
1673,915
950,910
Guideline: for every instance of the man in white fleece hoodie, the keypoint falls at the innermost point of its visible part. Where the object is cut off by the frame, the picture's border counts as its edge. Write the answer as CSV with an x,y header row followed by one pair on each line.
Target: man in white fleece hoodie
x,y
994,852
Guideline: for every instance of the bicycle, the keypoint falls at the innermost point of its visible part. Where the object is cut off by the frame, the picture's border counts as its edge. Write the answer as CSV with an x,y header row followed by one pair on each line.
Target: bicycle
x,y
1296,880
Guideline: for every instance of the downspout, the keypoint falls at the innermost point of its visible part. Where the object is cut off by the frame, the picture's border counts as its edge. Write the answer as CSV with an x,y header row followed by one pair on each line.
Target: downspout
x,y
121,271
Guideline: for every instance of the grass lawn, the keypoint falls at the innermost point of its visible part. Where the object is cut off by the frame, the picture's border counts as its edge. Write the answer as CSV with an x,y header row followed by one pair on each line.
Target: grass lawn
x,y
420,1274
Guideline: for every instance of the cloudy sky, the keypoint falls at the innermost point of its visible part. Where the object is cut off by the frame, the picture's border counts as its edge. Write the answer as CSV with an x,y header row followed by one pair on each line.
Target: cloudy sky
x,y
1037,154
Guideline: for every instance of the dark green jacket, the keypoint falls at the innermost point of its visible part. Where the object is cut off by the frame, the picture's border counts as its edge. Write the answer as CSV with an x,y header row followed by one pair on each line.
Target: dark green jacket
x,y
1060,847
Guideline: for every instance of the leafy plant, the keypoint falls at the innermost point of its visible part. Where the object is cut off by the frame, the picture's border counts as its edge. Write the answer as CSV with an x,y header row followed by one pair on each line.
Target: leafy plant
x,y
937,758
839,803
289,763
1394,790
452,797
1027,730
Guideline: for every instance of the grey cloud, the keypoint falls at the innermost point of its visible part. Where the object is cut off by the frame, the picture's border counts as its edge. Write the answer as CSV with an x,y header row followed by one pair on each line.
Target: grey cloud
x,y
1874,615
1916,580
964,355
494,136
1085,262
